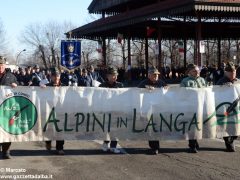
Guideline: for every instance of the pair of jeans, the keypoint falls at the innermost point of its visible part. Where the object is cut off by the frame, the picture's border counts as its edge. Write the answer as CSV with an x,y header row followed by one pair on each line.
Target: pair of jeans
x,y
113,144
193,144
154,145
59,144
5,146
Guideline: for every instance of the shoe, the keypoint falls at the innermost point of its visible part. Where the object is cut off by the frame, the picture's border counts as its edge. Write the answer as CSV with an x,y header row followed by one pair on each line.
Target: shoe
x,y
48,146
192,150
115,150
105,147
155,151
197,145
230,147
6,155
60,152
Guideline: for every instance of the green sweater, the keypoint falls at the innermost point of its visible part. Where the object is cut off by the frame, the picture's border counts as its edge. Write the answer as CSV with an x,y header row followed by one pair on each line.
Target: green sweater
x,y
192,82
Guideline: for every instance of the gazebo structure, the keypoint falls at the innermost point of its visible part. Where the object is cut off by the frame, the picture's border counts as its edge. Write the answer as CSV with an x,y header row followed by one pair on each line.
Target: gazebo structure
x,y
173,19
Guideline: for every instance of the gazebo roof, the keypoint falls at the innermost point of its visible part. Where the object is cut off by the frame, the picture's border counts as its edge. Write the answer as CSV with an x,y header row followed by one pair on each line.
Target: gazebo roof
x,y
121,6
117,6
133,23
169,29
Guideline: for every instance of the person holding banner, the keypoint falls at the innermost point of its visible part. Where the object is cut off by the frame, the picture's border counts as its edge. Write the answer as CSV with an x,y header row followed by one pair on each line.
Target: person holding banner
x,y
229,78
84,79
111,82
6,79
95,77
37,76
152,82
194,81
55,82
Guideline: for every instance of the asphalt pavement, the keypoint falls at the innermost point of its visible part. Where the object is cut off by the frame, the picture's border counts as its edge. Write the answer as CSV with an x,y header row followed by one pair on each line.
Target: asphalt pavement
x,y
84,160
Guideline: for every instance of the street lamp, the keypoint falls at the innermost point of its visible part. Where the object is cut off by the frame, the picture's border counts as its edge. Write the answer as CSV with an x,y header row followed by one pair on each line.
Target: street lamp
x,y
19,55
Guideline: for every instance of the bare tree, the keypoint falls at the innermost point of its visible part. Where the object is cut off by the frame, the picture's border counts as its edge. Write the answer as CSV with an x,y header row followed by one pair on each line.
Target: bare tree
x,y
89,53
3,41
43,40
171,50
138,52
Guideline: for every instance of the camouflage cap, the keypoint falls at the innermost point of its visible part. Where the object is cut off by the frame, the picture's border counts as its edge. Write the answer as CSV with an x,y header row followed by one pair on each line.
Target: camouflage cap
x,y
112,70
191,67
2,60
55,72
36,66
84,70
153,70
230,67
91,67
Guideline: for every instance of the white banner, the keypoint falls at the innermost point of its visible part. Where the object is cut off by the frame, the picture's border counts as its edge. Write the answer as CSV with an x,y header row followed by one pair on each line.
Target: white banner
x,y
77,113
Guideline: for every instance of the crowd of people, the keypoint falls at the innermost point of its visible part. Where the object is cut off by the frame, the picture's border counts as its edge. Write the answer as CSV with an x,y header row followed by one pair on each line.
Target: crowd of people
x,y
89,77
84,77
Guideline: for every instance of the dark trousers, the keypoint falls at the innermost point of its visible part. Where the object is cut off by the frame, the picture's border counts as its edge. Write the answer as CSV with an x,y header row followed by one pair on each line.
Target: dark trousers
x,y
59,144
193,144
229,139
113,144
154,145
5,146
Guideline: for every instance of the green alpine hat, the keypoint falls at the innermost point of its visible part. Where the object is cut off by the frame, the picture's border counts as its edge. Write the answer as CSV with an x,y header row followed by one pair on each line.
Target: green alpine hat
x,y
230,67
112,70
2,60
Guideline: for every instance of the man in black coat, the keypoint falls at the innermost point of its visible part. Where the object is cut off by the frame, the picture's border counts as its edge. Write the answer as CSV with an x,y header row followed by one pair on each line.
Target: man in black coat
x,y
152,82
111,82
84,80
229,78
6,79
95,76
55,82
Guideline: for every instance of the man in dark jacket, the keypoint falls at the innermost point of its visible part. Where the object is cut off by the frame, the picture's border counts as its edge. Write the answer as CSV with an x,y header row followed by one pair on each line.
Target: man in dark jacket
x,y
37,76
55,82
84,79
6,79
152,82
229,78
111,82
95,76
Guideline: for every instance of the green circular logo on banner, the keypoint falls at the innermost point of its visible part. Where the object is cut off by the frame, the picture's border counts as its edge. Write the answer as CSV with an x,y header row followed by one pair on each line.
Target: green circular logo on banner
x,y
18,115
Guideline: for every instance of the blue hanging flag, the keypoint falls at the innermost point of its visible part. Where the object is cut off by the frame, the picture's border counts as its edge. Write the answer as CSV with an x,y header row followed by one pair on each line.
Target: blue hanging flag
x,y
70,54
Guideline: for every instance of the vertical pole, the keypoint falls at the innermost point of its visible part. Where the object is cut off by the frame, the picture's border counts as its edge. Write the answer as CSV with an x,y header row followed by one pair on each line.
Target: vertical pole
x,y
104,54
129,58
207,57
104,49
185,48
129,52
159,45
237,45
195,51
199,38
219,51
146,55
185,52
219,47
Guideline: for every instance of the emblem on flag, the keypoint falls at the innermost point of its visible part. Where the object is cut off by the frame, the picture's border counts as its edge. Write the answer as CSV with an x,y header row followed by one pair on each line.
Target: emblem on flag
x,y
70,54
